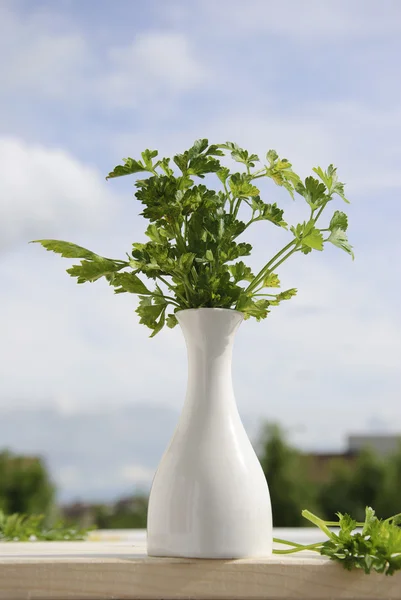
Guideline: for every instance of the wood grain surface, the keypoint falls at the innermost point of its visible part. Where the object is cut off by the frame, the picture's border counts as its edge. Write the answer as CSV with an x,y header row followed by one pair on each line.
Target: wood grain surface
x,y
120,570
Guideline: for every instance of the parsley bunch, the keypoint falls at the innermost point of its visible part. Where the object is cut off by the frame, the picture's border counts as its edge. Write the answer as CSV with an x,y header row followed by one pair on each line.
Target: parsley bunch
x,y
193,256
24,528
377,547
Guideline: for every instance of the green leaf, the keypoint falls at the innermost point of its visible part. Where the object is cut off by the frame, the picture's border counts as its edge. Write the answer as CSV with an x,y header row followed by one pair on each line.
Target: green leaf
x,y
150,313
147,157
159,235
131,166
198,147
171,321
271,280
66,249
253,308
309,236
181,160
164,164
313,192
314,240
185,262
330,180
201,165
241,187
347,524
272,156
339,221
92,270
241,272
338,237
286,295
160,323
271,212
223,174
129,282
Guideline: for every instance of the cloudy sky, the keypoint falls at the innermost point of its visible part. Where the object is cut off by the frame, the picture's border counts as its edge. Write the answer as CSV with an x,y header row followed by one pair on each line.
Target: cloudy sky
x,y
84,84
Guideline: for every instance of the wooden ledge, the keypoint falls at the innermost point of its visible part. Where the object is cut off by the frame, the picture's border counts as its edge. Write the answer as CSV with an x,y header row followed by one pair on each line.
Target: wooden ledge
x,y
121,570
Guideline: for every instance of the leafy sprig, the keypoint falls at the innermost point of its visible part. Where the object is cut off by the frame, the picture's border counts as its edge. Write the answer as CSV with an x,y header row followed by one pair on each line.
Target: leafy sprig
x,y
374,545
24,528
193,256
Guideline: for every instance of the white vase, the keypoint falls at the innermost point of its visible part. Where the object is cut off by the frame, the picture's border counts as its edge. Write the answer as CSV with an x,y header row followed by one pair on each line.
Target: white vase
x,y
209,497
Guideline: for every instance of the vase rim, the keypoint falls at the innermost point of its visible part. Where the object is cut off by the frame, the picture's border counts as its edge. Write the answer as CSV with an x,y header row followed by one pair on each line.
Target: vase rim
x,y
206,308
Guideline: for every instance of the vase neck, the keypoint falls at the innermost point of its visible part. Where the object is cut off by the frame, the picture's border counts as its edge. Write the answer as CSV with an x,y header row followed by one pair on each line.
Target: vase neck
x,y
209,334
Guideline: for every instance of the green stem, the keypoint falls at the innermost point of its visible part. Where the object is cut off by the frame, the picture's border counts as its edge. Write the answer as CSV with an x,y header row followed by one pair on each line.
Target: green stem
x,y
321,209
268,267
228,196
270,295
171,300
390,518
287,543
172,288
236,208
259,174
314,547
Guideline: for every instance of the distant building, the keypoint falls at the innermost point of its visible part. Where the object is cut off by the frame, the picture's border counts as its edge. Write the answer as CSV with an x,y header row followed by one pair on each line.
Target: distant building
x,y
319,464
79,512
381,444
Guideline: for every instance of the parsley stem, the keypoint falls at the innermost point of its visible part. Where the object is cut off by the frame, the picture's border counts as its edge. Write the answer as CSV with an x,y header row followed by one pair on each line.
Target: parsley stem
x,y
397,516
171,300
268,267
321,210
174,289
314,547
236,208
270,295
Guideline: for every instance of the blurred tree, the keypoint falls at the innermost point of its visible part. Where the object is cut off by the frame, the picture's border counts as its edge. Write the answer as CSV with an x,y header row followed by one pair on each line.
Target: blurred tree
x,y
353,487
287,476
25,486
389,500
128,513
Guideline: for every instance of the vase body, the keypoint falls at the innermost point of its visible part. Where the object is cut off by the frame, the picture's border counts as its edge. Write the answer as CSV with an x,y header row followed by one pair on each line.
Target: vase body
x,y
209,497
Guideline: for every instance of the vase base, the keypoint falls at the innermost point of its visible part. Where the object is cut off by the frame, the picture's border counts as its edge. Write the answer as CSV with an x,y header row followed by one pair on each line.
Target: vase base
x,y
215,555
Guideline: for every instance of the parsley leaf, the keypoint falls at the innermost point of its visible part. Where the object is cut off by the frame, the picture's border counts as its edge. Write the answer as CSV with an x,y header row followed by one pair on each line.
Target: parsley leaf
x,y
338,237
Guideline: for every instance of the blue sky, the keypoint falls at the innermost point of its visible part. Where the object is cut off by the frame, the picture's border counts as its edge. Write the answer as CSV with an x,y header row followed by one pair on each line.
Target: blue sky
x,y
86,83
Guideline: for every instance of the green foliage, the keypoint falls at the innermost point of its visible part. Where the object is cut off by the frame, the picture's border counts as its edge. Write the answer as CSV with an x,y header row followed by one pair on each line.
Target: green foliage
x,y
25,486
128,514
376,548
192,257
352,487
23,528
286,474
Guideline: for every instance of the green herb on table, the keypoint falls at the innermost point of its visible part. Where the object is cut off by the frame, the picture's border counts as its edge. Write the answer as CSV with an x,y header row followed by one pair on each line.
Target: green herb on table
x,y
376,548
23,528
193,257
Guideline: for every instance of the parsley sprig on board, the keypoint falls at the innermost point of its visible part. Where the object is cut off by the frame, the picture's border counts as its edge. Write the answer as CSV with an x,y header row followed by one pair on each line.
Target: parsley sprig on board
x,y
26,528
194,254
376,547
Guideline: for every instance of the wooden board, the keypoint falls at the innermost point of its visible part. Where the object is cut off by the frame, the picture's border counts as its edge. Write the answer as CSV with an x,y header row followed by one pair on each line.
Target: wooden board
x,y
119,570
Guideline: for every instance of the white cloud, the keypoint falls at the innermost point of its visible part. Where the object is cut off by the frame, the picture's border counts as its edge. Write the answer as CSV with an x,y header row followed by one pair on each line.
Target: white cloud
x,y
155,66
310,20
45,190
43,55
54,62
136,474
